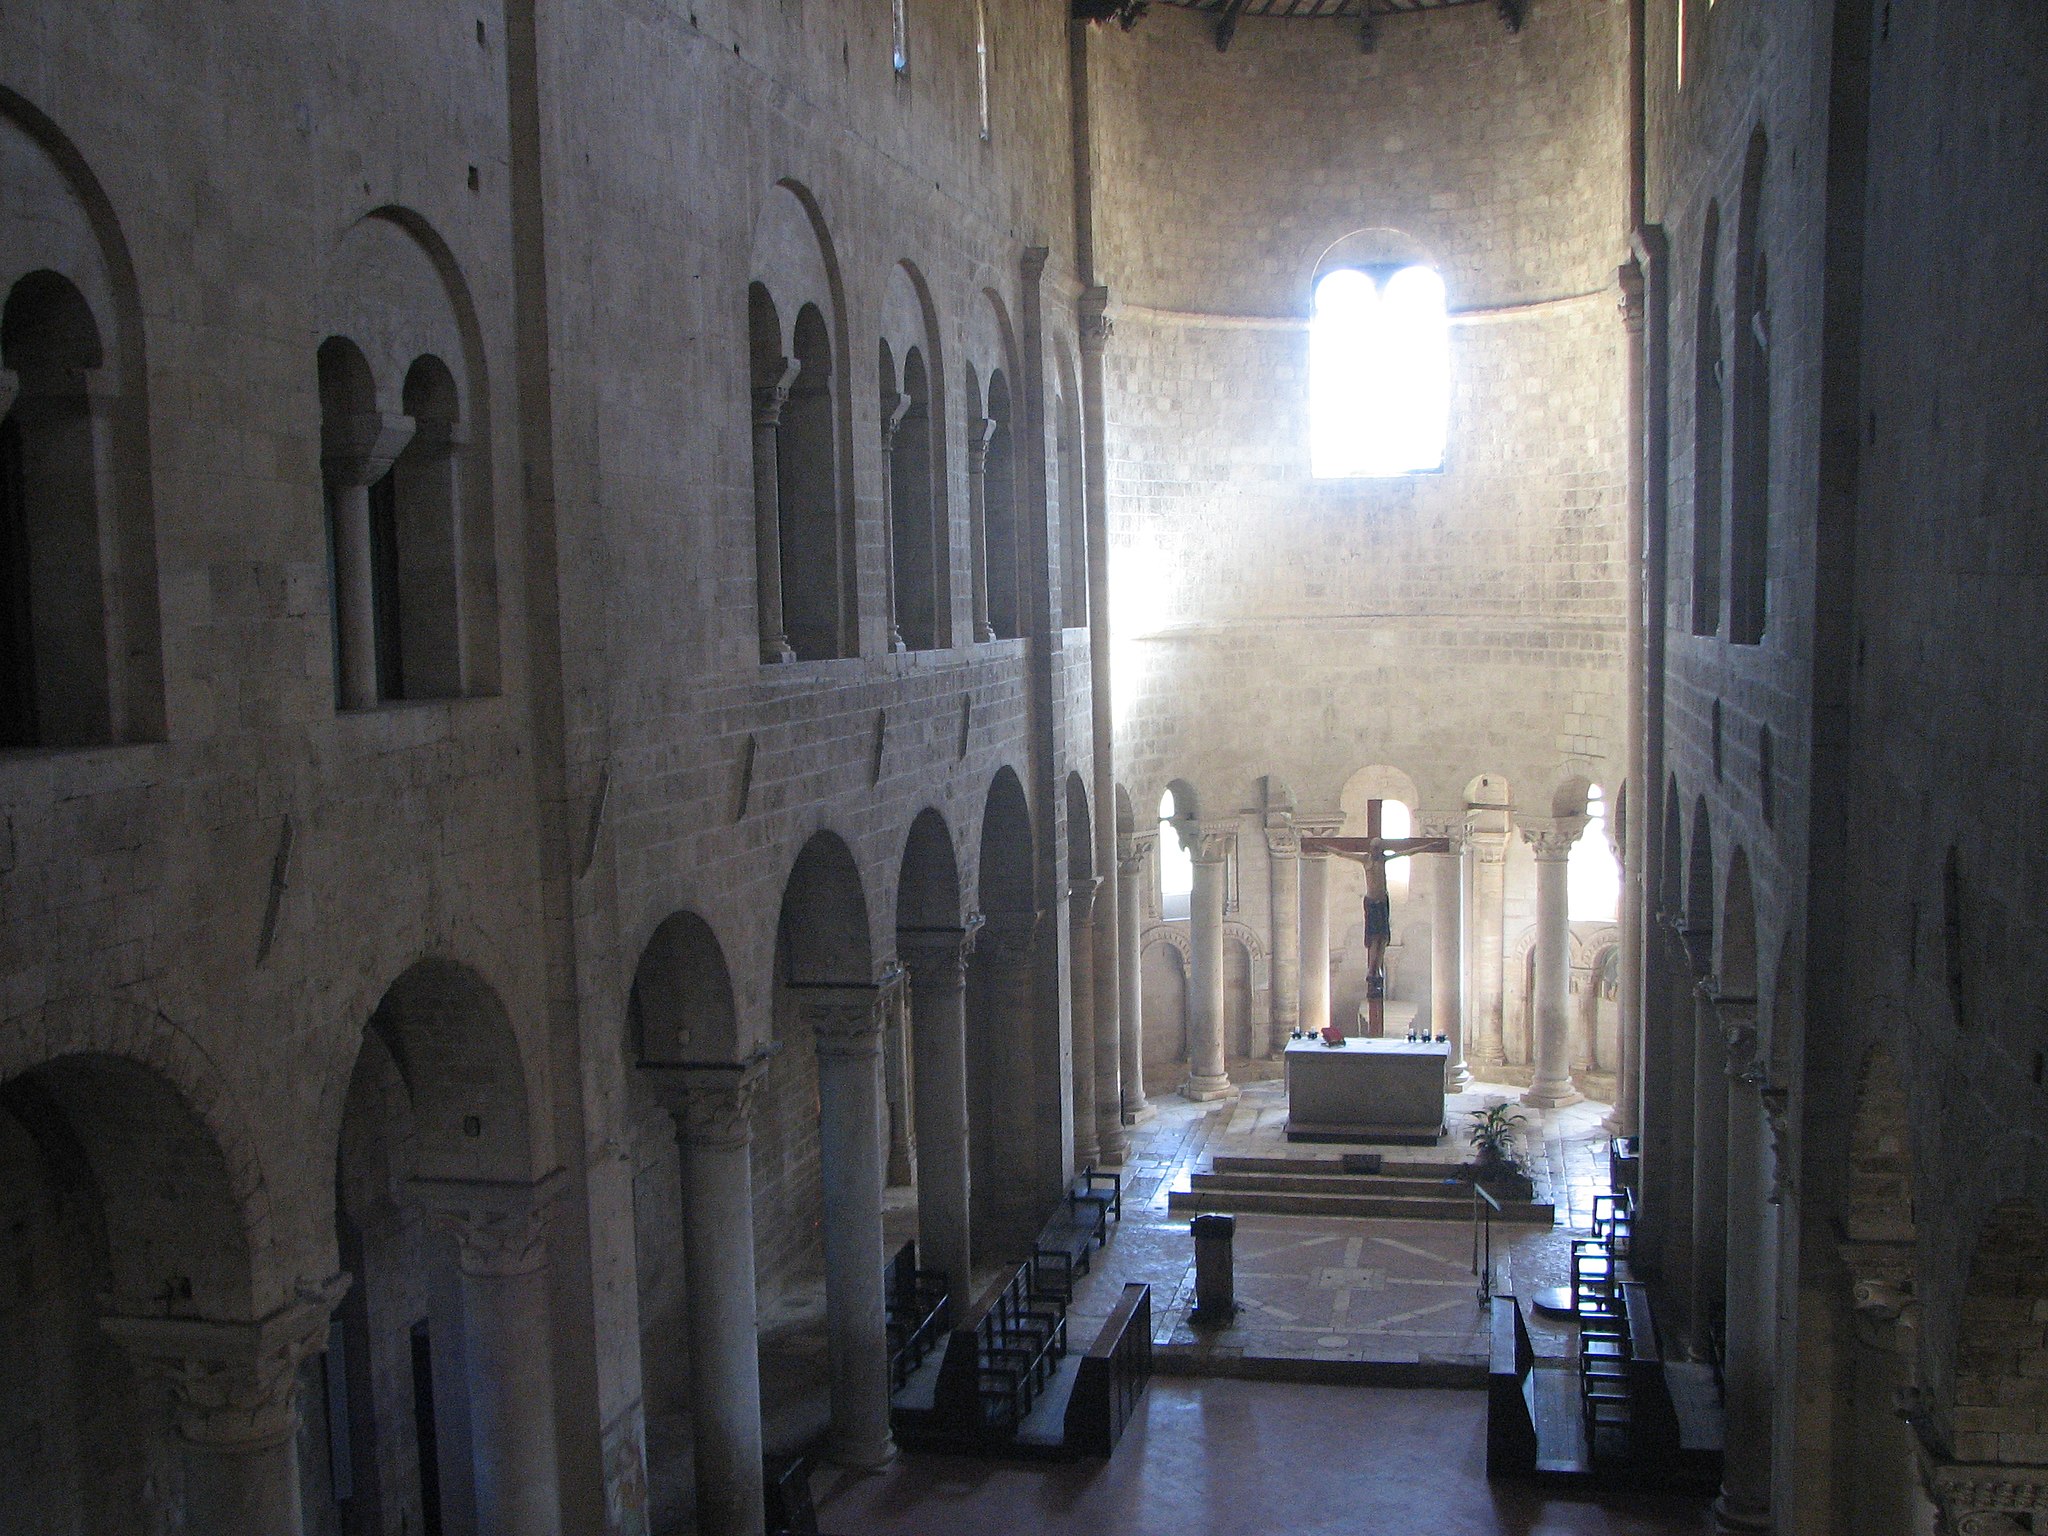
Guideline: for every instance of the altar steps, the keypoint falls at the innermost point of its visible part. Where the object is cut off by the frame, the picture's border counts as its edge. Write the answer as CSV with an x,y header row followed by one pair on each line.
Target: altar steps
x,y
1283,1189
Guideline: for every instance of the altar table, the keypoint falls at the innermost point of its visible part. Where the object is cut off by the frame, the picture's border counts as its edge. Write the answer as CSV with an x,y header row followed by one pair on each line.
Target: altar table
x,y
1366,1090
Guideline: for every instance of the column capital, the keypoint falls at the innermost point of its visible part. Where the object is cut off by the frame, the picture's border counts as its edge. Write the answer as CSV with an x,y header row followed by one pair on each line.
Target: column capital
x,y
771,397
1081,895
1318,826
1209,842
234,1386
894,409
1550,838
1629,276
1283,837
1007,937
1448,825
1130,855
846,1020
981,432
499,1225
1983,1498
1096,326
710,1102
359,448
938,953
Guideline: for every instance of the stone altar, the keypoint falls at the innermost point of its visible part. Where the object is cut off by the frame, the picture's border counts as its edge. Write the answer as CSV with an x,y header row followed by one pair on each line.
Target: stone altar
x,y
1366,1090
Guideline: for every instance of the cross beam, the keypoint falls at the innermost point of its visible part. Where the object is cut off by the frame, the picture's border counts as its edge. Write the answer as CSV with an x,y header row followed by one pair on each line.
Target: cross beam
x,y
1373,851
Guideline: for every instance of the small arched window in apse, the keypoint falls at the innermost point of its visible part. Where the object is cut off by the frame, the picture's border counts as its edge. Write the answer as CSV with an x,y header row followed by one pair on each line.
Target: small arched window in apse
x,y
1176,865
1379,374
981,66
1593,875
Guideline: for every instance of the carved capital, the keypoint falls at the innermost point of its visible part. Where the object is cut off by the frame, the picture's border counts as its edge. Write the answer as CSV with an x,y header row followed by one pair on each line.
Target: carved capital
x,y
1551,838
1985,1498
894,409
937,957
1081,900
980,433
234,1386
1096,326
846,1021
1317,826
711,1103
1130,855
1630,277
359,448
1009,938
499,1225
1448,825
770,398
1283,842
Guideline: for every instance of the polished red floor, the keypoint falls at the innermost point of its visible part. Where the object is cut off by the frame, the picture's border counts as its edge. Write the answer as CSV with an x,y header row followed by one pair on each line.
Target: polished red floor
x,y
1240,1458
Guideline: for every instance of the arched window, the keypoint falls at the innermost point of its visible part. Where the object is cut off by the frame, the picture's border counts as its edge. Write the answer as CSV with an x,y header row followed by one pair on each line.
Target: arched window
x,y
1176,865
1707,441
899,56
807,483
1379,374
999,516
1593,876
1749,483
913,534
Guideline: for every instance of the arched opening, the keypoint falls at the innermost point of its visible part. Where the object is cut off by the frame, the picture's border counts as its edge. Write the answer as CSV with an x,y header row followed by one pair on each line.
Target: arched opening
x,y
1070,496
999,515
916,532
1014,1068
680,1020
115,1203
417,546
55,689
807,479
1708,443
1379,372
1749,487
1593,874
1737,932
931,937
432,1170
1177,817
1165,980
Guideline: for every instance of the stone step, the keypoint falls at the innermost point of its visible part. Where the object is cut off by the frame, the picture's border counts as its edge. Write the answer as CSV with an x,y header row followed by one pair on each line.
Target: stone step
x,y
1382,1207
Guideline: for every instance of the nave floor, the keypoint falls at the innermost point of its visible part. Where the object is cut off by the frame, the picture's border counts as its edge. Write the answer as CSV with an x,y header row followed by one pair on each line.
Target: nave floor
x,y
1213,1457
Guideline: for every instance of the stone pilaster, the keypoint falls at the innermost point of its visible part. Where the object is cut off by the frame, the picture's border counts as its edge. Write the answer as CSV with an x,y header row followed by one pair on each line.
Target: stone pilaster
x,y
1207,1077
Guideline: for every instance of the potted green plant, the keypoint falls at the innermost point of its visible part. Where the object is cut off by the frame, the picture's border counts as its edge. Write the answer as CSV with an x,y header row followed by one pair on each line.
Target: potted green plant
x,y
1495,1162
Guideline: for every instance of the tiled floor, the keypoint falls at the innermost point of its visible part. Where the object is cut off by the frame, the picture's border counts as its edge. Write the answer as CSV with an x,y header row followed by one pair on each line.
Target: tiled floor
x,y
1247,1458
1338,1289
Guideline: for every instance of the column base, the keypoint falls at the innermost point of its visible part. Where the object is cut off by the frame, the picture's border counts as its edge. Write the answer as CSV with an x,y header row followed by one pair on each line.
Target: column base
x,y
1200,1090
776,651
862,1458
1086,1152
1739,1516
1615,1125
1458,1079
1542,1095
1111,1143
1486,1069
1138,1114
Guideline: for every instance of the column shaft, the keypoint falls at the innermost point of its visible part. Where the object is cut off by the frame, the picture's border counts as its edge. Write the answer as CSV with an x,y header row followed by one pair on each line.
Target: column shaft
x,y
1110,1140
849,1104
893,411
938,1026
1552,1087
512,1398
1489,889
1207,1078
769,400
978,435
1081,1006
1745,1502
1283,873
1130,978
1446,975
1709,1166
1315,942
355,598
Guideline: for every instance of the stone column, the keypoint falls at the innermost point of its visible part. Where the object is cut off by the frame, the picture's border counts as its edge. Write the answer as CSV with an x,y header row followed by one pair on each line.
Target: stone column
x,y
937,961
1745,1502
1081,1005
356,451
1110,1140
1551,842
1635,802
1487,832
769,399
848,1024
234,1398
1207,1078
1315,926
1446,964
980,433
1111,1020
1130,870
500,1231
1709,1162
894,409
711,1106
1283,872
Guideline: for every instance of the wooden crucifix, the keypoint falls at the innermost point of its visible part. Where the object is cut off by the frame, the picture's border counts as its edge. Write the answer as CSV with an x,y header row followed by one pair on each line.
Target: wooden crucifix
x,y
1373,851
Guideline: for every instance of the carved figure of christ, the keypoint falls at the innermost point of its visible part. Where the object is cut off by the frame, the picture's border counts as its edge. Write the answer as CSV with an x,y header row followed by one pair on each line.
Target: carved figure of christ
x,y
1373,851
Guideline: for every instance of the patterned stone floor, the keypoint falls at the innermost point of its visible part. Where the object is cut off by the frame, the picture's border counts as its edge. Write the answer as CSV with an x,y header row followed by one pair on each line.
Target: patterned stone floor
x,y
1339,1289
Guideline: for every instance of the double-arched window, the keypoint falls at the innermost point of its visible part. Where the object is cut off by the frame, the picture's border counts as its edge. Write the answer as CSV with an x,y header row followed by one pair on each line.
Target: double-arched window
x,y
1379,373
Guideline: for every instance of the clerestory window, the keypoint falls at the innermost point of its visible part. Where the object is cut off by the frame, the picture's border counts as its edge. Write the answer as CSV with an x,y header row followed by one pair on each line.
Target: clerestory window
x,y
1379,374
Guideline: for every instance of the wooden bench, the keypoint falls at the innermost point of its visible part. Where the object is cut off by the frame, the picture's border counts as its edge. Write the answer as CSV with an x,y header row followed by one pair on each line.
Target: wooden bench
x,y
1105,1192
1111,1377
1062,1250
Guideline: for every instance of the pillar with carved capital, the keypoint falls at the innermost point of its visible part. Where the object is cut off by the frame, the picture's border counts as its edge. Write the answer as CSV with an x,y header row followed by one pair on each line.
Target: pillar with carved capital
x,y
769,399
711,1106
980,433
234,1398
500,1231
894,409
1130,869
1446,972
1747,1388
356,451
1110,1141
1283,874
1315,926
1209,847
1709,1162
1081,1004
936,959
1551,841
847,1022
1487,835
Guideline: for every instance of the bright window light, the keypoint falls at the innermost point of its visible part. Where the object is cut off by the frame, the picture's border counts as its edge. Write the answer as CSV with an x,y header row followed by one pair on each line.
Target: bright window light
x,y
900,56
1176,865
1593,876
1379,369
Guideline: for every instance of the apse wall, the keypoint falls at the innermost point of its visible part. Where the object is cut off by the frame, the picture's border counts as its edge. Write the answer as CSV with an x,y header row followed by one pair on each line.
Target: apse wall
x,y
1447,624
